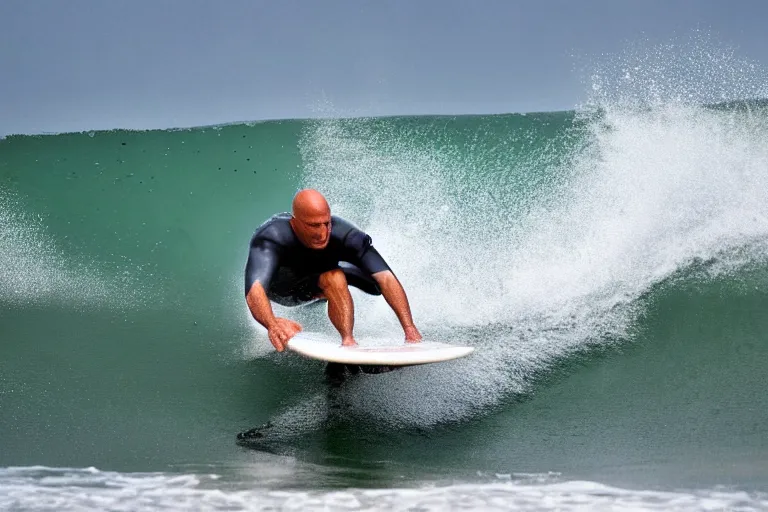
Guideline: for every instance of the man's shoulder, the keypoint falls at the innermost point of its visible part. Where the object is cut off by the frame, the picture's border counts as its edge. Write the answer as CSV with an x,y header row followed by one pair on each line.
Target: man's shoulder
x,y
276,229
349,235
340,227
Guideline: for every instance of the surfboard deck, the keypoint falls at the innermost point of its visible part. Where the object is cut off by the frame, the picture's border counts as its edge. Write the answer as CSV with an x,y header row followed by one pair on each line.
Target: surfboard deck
x,y
375,351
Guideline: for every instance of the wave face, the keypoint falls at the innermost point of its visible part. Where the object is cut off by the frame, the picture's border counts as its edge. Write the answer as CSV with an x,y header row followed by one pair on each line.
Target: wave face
x,y
608,264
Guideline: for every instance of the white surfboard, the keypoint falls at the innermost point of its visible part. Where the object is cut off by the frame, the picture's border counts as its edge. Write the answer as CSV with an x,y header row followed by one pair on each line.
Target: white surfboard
x,y
375,351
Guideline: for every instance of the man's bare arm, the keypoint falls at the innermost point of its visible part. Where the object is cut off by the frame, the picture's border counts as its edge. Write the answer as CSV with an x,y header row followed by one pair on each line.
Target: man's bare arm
x,y
395,296
259,304
280,330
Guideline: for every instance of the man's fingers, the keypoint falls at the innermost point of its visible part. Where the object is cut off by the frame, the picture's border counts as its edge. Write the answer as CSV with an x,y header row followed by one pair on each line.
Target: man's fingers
x,y
281,333
284,337
277,341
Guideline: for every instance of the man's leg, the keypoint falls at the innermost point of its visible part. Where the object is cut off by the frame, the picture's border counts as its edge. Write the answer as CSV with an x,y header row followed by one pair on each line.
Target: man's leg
x,y
341,309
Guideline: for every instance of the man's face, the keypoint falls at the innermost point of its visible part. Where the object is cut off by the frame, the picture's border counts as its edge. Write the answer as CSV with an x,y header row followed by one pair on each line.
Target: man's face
x,y
313,230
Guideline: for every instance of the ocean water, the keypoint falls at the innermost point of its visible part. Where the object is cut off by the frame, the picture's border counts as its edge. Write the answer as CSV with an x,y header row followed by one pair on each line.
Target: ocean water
x,y
609,264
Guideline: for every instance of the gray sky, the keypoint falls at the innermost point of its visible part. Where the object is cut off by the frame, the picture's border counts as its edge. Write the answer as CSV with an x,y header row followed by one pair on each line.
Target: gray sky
x,y
95,64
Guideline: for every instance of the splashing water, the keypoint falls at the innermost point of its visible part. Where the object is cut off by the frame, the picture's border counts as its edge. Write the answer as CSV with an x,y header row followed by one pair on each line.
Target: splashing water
x,y
35,270
651,187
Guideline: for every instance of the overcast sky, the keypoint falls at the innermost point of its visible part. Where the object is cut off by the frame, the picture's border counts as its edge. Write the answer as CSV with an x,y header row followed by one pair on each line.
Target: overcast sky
x,y
93,64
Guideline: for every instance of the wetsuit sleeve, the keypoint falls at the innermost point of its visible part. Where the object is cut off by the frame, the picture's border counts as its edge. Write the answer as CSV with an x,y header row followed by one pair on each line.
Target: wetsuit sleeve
x,y
262,263
362,252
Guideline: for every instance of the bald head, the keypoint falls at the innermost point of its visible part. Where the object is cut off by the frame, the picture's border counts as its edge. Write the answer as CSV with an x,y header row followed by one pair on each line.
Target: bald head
x,y
311,218
309,203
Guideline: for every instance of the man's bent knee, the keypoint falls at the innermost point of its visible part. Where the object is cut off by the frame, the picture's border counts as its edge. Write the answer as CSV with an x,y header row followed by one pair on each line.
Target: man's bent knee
x,y
332,279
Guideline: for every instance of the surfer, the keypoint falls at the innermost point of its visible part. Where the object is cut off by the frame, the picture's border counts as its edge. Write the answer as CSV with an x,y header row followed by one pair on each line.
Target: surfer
x,y
309,255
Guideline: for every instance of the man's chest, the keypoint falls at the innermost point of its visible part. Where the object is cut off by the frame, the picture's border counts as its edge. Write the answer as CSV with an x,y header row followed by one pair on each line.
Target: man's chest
x,y
312,260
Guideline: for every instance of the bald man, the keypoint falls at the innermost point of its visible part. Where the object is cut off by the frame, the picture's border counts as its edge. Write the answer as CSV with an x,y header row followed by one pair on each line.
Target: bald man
x,y
309,255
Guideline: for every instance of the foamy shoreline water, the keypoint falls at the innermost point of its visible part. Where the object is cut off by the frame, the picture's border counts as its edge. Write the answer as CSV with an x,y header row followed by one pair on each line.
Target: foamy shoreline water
x,y
41,489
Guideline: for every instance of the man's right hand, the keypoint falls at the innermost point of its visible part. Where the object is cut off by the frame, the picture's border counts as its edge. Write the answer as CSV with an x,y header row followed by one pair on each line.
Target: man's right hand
x,y
281,331
412,334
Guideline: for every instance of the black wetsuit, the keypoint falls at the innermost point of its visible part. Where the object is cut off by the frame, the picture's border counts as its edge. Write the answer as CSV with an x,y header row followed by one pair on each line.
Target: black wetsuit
x,y
289,271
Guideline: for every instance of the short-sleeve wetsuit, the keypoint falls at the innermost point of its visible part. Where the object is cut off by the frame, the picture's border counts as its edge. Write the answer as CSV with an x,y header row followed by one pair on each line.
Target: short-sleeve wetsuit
x,y
289,271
